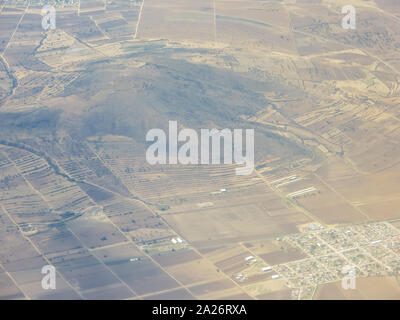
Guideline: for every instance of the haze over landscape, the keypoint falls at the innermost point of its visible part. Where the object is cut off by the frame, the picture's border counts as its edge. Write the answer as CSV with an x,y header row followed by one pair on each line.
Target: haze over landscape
x,y
76,189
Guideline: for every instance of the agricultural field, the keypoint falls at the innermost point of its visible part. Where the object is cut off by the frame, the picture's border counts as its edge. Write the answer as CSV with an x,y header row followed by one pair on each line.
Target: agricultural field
x,y
78,192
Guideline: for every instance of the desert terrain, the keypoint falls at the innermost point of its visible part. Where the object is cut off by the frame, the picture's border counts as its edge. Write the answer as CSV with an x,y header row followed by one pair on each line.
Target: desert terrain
x,y
76,190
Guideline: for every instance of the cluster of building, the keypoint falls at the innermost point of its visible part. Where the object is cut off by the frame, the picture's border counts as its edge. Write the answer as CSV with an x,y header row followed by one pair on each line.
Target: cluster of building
x,y
177,240
373,249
